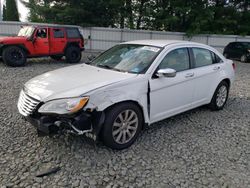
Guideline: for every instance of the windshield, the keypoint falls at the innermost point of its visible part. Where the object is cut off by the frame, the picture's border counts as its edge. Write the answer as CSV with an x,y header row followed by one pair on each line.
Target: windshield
x,y
246,44
26,32
130,58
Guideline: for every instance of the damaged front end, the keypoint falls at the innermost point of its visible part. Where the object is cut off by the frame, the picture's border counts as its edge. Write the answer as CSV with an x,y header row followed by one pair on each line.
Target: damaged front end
x,y
82,123
61,115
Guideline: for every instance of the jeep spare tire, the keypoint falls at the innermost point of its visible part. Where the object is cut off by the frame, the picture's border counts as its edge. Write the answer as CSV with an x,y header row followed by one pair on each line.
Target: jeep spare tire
x,y
73,54
14,56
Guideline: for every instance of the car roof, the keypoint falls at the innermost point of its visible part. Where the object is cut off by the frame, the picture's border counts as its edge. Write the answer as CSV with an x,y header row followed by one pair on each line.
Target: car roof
x,y
160,43
239,42
53,26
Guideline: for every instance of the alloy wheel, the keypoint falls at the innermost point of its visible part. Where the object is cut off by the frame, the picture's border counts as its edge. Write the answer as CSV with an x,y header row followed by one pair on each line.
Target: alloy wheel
x,y
125,126
221,96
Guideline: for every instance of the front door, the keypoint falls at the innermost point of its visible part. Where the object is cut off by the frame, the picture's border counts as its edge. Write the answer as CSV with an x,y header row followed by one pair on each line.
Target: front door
x,y
169,96
41,42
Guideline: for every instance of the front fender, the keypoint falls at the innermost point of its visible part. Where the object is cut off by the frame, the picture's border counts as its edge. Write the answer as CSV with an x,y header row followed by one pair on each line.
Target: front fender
x,y
137,92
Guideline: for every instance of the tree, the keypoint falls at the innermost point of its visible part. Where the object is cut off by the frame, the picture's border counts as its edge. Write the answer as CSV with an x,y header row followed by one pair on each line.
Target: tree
x,y
192,17
4,13
11,12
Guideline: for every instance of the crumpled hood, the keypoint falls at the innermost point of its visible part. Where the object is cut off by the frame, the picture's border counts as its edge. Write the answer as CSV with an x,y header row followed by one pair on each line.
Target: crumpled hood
x,y
72,81
14,39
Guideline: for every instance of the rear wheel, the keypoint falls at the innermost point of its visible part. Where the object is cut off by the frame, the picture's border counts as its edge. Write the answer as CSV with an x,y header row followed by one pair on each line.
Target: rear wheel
x,y
56,57
122,125
14,56
220,96
73,54
243,58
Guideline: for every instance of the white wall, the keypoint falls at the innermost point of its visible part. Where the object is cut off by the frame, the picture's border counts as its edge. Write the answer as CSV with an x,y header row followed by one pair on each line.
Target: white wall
x,y
99,39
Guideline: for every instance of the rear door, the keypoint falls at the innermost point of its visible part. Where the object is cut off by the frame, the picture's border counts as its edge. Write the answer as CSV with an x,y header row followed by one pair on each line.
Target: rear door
x,y
207,70
41,43
58,40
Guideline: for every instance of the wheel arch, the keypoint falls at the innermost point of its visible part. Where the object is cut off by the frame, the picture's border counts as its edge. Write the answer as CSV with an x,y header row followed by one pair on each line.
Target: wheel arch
x,y
227,80
17,45
69,44
129,101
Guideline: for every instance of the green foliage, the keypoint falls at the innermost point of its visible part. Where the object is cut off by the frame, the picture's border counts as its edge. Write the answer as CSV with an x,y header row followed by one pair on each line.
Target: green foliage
x,y
192,17
10,12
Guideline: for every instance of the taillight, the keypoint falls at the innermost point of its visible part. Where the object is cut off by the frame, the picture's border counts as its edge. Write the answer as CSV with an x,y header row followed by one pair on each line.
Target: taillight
x,y
82,40
234,66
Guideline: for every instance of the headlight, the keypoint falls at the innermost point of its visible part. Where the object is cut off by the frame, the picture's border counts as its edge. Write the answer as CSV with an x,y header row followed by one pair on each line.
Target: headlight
x,y
64,106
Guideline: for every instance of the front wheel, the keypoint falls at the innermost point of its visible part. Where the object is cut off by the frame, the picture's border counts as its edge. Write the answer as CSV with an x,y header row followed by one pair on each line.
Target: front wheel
x,y
14,56
73,54
122,125
243,58
220,96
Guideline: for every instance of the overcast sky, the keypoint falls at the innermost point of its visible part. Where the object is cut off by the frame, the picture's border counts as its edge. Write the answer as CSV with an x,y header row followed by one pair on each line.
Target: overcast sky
x,y
23,12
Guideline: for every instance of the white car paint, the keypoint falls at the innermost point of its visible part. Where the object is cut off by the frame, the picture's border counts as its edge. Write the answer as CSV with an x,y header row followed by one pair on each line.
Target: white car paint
x,y
73,81
168,96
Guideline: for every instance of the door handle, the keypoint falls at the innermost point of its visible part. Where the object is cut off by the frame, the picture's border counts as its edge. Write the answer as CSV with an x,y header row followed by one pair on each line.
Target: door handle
x,y
189,75
216,68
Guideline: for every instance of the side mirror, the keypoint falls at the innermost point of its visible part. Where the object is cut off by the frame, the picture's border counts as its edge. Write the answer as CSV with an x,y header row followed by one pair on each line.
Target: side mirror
x,y
91,57
166,73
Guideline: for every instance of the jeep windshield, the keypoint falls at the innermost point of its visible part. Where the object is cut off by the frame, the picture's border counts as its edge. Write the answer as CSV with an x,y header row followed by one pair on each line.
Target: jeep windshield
x,y
132,58
26,32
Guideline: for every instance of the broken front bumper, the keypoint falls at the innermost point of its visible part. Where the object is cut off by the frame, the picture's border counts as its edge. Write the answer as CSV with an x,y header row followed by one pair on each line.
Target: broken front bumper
x,y
79,124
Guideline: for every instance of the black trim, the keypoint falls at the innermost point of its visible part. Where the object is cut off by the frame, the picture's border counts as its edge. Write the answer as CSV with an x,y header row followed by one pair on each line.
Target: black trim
x,y
148,99
192,59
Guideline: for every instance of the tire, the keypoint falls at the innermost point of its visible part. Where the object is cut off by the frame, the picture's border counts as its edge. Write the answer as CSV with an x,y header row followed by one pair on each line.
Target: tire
x,y
73,54
220,97
226,55
114,130
56,57
243,58
14,56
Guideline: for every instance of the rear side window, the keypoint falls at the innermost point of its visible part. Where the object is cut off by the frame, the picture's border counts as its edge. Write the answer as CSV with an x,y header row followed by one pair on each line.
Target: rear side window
x,y
73,33
58,33
202,57
216,58
177,59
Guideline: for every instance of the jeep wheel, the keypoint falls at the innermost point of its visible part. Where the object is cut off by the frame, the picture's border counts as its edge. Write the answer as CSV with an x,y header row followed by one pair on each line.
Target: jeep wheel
x,y
56,57
14,56
73,54
122,126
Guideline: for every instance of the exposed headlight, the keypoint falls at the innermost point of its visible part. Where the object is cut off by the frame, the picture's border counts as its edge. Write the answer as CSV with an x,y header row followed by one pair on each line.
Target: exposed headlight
x,y
64,106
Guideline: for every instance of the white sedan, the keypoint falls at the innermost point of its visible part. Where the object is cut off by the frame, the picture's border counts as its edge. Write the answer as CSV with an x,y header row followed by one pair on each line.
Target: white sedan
x,y
129,86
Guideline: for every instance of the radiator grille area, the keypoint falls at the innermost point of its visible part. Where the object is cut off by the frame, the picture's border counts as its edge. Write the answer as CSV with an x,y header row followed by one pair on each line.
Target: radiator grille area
x,y
26,104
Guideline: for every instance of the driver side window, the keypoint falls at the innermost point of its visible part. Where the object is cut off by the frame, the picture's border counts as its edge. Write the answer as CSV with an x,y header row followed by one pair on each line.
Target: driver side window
x,y
177,59
41,33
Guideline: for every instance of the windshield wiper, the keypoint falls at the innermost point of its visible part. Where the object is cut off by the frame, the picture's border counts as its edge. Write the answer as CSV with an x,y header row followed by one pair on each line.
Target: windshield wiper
x,y
109,67
105,66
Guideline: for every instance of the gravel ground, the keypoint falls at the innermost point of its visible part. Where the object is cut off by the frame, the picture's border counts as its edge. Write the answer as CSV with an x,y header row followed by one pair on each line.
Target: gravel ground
x,y
198,148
